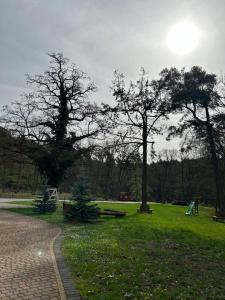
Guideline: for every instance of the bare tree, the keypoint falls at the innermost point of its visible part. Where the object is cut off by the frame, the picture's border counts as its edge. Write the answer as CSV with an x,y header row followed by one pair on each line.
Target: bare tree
x,y
135,118
56,118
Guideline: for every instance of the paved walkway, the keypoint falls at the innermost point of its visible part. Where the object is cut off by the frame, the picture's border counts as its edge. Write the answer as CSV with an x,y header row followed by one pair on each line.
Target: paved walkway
x,y
12,205
4,200
27,264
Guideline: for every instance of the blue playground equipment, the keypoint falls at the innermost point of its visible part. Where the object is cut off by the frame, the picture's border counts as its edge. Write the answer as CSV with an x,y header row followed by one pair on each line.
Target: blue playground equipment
x,y
192,209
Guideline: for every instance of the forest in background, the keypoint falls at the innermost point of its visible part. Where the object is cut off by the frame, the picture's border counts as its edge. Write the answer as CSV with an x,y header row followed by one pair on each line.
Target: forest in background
x,y
172,175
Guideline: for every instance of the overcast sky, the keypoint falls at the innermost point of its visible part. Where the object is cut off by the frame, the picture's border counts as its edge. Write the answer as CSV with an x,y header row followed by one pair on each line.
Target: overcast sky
x,y
101,36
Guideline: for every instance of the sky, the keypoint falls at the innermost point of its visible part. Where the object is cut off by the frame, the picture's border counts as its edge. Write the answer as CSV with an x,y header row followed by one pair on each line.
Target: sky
x,y
101,36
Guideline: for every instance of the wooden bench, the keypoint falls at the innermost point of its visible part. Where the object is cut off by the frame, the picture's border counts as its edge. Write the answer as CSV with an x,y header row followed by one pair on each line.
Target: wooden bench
x,y
110,212
219,219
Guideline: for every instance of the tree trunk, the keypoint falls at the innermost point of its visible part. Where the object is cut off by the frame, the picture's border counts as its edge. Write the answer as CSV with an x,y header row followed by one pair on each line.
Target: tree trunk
x,y
137,186
220,205
144,205
182,180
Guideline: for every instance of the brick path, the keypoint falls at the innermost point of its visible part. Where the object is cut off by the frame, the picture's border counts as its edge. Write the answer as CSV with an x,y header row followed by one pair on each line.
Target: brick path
x,y
27,263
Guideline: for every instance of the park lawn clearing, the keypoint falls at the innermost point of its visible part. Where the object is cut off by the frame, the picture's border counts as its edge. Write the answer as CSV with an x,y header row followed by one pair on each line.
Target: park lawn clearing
x,y
166,255
22,202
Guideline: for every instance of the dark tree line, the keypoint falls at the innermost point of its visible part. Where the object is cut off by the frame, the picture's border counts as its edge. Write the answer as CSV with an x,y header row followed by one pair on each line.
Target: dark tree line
x,y
109,174
169,179
17,172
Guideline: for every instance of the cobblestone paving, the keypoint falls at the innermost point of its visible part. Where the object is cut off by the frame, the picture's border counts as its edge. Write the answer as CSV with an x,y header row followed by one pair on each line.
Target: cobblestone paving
x,y
27,265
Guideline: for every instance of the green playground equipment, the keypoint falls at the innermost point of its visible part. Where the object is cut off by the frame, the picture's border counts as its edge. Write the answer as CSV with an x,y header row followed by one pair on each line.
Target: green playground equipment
x,y
192,209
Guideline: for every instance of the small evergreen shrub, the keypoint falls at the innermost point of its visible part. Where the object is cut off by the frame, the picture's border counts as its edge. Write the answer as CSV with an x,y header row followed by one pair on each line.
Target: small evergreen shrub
x,y
80,209
44,204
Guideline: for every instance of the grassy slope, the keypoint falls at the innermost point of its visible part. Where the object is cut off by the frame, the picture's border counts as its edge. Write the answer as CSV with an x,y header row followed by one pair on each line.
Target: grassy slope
x,y
166,255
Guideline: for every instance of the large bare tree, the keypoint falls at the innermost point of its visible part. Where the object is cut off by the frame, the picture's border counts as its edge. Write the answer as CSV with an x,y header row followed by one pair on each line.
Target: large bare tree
x,y
56,119
136,117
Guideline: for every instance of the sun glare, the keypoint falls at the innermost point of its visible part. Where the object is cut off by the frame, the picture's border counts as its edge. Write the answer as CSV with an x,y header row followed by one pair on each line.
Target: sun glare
x,y
183,38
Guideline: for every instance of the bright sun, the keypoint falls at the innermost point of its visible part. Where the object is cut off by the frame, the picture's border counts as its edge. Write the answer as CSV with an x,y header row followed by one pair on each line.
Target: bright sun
x,y
183,38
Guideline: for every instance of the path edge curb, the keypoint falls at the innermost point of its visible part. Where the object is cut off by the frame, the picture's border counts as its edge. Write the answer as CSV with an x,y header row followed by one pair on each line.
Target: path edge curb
x,y
67,282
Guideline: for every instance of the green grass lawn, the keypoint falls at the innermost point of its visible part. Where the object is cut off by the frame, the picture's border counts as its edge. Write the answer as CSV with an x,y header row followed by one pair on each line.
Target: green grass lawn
x,y
22,202
166,255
